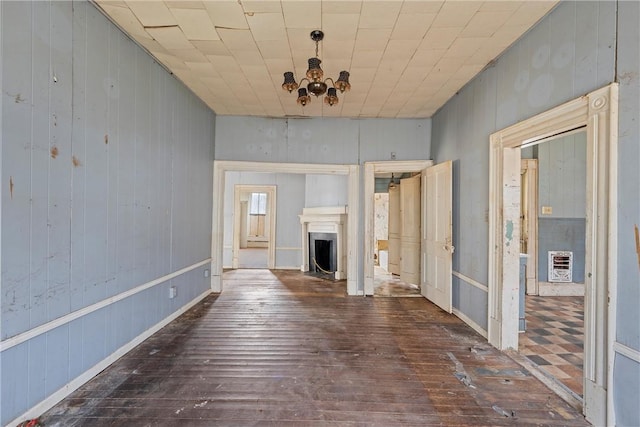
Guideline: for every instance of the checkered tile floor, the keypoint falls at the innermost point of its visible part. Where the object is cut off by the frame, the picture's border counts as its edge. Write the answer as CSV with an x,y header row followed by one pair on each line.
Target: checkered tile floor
x,y
554,339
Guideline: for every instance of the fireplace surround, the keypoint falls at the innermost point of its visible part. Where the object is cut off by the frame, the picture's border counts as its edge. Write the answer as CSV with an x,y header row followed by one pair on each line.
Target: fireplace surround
x,y
323,239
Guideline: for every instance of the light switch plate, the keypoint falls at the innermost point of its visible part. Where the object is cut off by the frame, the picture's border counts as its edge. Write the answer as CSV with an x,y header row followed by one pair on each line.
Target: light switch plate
x,y
547,210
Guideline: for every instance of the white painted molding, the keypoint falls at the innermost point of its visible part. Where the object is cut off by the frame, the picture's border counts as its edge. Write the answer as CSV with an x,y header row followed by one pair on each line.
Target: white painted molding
x,y
39,330
628,352
466,319
470,281
77,382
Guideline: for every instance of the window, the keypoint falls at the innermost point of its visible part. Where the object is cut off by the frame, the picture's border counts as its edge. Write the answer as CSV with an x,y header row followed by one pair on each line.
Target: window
x,y
258,204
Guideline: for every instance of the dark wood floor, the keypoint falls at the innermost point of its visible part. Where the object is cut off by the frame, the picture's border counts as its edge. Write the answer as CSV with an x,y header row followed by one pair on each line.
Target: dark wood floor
x,y
280,348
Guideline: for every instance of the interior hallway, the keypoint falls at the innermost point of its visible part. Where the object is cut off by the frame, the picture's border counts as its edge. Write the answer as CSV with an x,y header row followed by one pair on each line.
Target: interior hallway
x,y
282,348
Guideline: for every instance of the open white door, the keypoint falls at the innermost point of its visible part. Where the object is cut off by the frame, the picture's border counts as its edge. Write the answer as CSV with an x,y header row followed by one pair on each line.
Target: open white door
x,y
437,241
410,234
395,228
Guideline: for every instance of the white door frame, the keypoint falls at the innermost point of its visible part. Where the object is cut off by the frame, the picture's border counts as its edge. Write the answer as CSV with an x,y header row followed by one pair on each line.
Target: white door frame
x,y
271,220
370,170
531,167
597,111
220,167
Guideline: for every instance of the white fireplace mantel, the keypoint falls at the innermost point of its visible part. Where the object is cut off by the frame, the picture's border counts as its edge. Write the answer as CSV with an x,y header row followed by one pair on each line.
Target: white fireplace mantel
x,y
332,219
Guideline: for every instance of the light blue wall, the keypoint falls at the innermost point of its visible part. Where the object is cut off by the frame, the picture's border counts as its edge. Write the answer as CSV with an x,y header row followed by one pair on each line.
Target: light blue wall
x,y
562,176
562,186
101,148
570,52
325,141
627,371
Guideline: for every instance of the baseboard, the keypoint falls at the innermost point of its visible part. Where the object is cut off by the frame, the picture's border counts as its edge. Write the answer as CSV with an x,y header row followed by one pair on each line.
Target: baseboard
x,y
77,382
466,319
556,289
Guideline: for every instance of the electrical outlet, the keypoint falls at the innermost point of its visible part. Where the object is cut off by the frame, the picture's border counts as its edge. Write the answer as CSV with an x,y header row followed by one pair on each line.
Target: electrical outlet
x,y
206,273
172,292
393,155
547,210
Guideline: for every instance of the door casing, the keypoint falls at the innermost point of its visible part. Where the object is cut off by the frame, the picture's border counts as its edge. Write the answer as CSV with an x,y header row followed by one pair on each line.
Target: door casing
x,y
221,167
597,111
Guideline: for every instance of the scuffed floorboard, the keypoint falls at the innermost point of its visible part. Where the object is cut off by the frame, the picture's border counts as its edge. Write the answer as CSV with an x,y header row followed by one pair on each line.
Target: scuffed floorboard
x,y
280,348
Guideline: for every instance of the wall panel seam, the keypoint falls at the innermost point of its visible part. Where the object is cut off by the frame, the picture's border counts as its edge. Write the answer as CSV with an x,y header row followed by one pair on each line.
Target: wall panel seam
x,y
46,327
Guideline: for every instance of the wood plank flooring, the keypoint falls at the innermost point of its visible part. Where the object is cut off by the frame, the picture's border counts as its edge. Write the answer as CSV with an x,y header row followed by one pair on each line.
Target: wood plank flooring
x,y
278,348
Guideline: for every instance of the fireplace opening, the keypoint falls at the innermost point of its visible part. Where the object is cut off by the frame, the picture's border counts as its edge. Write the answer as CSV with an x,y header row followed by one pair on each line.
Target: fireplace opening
x,y
323,253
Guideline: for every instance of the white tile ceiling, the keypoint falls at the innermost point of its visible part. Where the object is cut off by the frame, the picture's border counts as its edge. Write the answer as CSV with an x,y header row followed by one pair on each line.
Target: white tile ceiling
x,y
406,57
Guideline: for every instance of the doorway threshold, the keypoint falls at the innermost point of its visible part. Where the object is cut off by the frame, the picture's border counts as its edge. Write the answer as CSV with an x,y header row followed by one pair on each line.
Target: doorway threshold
x,y
564,392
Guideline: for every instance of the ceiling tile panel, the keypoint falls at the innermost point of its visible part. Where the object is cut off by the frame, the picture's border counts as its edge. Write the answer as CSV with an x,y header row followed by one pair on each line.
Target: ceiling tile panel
x,y
465,47
427,58
211,47
192,55
500,6
227,14
366,58
273,49
184,4
195,24
248,57
341,27
224,63
152,13
170,37
369,39
484,24
456,14
412,26
341,6
127,20
379,14
412,6
302,14
406,58
261,6
267,26
439,38
237,39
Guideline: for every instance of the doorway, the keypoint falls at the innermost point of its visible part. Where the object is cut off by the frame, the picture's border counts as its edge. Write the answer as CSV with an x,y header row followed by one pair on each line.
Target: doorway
x,y
553,228
380,169
433,208
254,226
597,111
390,230
220,169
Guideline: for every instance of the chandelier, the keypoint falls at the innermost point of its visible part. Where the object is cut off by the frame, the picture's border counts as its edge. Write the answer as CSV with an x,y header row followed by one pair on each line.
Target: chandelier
x,y
315,84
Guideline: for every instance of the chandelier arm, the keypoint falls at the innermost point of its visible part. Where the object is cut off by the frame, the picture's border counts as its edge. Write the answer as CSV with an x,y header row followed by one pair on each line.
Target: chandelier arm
x,y
303,79
333,84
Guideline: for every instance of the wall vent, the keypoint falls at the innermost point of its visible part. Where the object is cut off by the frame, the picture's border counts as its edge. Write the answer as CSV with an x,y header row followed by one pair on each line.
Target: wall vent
x,y
560,266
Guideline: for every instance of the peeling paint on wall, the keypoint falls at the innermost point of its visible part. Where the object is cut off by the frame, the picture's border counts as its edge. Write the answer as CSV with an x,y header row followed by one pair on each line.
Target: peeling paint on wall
x,y
11,187
106,138
54,152
75,161
509,233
